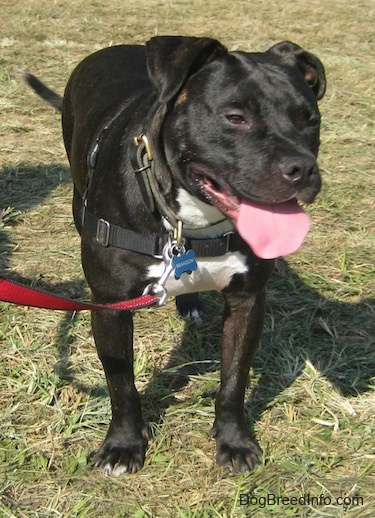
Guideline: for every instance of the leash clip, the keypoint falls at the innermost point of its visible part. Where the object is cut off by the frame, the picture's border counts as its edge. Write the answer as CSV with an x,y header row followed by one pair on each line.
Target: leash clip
x,y
158,291
158,288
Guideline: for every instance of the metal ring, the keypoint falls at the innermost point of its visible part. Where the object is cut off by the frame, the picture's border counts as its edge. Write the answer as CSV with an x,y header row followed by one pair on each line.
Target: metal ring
x,y
158,291
144,139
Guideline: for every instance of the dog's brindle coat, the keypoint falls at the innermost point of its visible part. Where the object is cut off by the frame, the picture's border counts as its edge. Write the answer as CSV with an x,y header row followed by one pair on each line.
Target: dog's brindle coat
x,y
248,124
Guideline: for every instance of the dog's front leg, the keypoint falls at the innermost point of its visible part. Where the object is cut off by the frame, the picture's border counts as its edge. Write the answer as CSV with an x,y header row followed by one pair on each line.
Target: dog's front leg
x,y
123,450
242,327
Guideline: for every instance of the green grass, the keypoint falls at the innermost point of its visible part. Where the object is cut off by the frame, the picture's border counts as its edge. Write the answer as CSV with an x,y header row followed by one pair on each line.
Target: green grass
x,y
310,399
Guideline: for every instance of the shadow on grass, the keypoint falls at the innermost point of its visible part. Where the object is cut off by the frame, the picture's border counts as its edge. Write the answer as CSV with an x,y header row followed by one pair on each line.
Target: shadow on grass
x,y
301,325
23,187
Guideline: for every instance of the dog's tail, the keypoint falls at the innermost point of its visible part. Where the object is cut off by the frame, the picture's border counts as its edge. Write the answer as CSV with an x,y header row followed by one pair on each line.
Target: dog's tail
x,y
42,90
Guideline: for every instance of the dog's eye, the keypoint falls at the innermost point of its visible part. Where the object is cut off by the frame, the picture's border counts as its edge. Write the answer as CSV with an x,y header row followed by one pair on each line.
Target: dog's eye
x,y
235,118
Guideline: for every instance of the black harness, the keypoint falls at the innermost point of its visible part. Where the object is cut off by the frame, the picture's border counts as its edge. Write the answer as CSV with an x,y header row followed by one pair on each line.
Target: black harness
x,y
109,234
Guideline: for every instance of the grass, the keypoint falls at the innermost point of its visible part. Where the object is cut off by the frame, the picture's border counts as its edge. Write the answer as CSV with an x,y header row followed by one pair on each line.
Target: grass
x,y
310,399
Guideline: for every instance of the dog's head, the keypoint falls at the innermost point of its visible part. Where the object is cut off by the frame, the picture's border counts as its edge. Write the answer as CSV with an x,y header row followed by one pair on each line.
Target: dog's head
x,y
239,128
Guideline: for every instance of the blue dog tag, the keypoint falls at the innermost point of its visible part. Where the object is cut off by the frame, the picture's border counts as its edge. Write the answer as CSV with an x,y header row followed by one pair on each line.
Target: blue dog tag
x,y
184,263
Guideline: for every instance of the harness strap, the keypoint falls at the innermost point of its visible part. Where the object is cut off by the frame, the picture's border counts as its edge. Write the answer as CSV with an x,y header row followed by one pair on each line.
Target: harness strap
x,y
108,234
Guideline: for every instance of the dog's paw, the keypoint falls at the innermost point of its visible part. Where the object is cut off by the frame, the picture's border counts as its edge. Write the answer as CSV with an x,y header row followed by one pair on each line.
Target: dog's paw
x,y
236,449
115,460
190,307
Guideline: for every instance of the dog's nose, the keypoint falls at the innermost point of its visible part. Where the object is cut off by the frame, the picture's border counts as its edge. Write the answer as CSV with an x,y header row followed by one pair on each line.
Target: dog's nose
x,y
299,170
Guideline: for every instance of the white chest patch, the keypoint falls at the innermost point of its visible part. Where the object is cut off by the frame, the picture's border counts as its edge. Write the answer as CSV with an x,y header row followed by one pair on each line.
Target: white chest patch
x,y
213,273
195,213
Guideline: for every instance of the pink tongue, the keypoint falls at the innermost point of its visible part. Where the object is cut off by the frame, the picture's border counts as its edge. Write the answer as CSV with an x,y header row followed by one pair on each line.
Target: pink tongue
x,y
272,230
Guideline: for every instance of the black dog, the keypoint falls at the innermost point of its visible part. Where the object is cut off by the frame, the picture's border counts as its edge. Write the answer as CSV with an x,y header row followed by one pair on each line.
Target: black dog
x,y
176,146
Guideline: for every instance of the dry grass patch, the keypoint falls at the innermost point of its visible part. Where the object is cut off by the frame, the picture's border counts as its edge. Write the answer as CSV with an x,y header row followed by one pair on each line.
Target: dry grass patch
x,y
311,399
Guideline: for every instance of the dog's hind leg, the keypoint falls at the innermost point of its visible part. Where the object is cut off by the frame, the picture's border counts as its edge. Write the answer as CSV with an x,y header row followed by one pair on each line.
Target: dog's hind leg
x,y
190,307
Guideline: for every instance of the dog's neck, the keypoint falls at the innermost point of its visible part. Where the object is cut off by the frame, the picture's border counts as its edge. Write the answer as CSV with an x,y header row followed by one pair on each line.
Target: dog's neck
x,y
200,220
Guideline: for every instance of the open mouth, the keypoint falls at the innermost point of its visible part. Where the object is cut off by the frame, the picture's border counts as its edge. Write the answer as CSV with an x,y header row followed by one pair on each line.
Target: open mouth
x,y
271,230
228,205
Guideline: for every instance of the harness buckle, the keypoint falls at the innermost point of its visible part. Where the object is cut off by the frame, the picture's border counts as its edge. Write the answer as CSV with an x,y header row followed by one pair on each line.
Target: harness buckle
x,y
102,232
228,236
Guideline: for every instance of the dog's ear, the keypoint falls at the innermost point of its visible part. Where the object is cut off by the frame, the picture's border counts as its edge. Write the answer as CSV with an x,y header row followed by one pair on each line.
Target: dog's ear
x,y
309,65
172,59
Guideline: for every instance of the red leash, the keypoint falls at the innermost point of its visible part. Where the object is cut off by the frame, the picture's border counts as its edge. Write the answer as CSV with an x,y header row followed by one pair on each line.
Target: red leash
x,y
19,294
